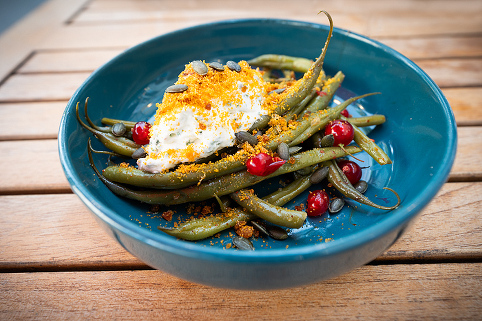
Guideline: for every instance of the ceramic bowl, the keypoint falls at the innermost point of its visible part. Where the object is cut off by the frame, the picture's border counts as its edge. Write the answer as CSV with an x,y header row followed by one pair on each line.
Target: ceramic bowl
x,y
419,136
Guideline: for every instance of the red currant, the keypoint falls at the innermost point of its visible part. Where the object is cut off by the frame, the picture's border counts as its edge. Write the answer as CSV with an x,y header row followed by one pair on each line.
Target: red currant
x,y
317,204
263,164
351,170
341,130
140,132
345,113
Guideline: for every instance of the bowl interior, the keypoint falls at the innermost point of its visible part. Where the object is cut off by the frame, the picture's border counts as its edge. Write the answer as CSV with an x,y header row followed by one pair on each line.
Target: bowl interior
x,y
419,134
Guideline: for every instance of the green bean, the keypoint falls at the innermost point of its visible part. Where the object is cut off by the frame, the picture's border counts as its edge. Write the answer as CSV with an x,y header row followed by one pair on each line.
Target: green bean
x,y
304,86
282,62
175,179
365,121
369,145
338,179
324,120
119,145
227,184
200,228
112,121
274,214
322,100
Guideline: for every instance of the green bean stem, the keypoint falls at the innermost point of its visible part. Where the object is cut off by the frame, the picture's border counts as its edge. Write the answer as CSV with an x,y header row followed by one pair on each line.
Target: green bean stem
x,y
338,179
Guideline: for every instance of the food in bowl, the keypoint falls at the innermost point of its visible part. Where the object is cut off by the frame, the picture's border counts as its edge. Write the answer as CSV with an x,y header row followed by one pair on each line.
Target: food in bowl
x,y
224,128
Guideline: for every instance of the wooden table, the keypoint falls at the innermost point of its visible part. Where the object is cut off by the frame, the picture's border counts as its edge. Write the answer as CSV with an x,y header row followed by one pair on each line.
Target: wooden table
x,y
56,262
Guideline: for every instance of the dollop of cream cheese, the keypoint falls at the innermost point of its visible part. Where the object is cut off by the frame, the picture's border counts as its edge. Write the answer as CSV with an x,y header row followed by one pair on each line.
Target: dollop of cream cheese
x,y
204,119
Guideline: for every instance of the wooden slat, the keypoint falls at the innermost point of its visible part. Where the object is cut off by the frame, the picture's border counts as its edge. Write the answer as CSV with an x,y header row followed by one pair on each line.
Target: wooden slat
x,y
375,18
68,61
20,40
443,46
55,231
32,166
465,103
454,72
411,292
30,120
58,232
41,87
438,232
467,165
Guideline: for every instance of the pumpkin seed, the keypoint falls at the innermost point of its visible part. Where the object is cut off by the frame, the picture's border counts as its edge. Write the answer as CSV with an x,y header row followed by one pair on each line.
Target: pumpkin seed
x,y
319,175
216,66
179,88
139,153
328,141
243,136
294,149
243,243
119,129
273,231
361,186
260,227
234,66
276,232
283,151
199,67
278,91
336,205
260,123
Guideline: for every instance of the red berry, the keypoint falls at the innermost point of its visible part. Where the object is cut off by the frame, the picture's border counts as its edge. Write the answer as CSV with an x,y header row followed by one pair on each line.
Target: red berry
x,y
317,204
342,131
351,170
345,113
263,164
140,132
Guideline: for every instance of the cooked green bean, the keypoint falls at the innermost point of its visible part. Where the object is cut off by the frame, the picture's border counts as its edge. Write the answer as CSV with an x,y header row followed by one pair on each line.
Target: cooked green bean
x,y
367,120
112,121
322,100
324,120
274,214
119,145
282,62
343,185
232,182
200,228
369,145
297,93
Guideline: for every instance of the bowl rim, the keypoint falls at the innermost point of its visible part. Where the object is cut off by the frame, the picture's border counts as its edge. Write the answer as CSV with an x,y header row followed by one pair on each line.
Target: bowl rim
x,y
320,249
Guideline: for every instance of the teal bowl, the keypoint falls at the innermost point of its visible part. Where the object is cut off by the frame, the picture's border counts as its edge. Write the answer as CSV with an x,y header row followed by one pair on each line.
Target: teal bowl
x,y
419,136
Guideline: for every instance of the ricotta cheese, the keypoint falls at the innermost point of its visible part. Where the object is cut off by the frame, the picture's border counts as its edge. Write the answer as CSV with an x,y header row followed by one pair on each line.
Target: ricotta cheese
x,y
203,119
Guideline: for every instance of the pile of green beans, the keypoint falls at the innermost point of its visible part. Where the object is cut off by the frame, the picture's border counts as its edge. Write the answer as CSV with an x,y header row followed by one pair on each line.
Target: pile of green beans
x,y
305,105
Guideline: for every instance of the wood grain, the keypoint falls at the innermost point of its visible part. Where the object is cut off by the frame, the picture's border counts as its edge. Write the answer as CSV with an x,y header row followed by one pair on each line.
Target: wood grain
x,y
36,120
33,167
467,165
411,292
55,232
